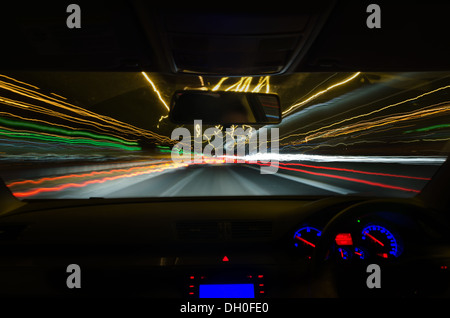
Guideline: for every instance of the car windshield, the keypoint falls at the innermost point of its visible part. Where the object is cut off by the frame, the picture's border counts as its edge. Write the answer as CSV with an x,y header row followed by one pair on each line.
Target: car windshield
x,y
84,134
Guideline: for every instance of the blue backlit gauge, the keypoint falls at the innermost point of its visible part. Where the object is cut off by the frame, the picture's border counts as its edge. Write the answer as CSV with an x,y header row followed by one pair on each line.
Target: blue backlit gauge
x,y
306,239
359,253
343,253
380,241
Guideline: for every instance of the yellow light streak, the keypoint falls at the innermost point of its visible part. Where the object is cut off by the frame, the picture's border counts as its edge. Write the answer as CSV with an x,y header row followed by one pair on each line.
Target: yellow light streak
x,y
237,84
111,123
367,125
201,80
156,90
263,81
311,132
295,106
216,88
161,119
15,80
245,85
58,96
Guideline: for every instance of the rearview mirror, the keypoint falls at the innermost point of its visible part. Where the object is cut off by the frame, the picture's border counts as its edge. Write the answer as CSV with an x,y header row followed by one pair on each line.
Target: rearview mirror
x,y
215,108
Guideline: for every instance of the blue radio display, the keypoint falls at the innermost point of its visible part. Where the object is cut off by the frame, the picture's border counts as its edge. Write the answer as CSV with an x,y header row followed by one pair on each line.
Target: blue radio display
x,y
227,291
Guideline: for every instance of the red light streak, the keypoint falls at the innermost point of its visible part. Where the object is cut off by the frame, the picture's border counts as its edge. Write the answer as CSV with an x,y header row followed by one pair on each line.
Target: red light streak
x,y
90,174
355,171
164,165
86,183
130,172
377,184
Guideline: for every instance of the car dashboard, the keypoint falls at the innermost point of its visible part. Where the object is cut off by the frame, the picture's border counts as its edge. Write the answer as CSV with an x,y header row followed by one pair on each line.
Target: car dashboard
x,y
241,248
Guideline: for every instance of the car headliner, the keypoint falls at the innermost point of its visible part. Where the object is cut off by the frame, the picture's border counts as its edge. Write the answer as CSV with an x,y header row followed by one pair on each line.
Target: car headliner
x,y
130,35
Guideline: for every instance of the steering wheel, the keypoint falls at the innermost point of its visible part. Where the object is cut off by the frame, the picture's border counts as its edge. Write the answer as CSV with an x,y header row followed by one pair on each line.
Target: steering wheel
x,y
325,270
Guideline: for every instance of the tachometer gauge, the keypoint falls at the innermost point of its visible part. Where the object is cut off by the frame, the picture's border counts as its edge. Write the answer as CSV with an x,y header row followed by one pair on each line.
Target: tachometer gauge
x,y
380,241
306,239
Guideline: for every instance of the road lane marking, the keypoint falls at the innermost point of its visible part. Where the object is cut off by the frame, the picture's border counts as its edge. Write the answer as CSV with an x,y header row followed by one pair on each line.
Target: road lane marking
x,y
177,187
316,184
250,186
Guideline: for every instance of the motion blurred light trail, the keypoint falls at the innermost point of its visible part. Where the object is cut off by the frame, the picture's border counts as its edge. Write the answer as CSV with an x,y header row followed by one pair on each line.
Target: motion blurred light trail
x,y
130,174
243,85
295,106
83,175
361,125
377,184
216,176
330,158
27,188
50,128
155,90
20,134
355,171
63,110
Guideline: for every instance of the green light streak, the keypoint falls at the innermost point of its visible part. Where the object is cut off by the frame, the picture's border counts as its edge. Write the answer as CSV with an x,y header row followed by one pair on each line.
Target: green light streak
x,y
44,128
427,128
27,135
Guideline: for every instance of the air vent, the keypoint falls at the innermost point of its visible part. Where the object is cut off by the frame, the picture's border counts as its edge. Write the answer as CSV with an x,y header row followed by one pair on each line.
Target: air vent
x,y
258,229
223,230
197,230
11,231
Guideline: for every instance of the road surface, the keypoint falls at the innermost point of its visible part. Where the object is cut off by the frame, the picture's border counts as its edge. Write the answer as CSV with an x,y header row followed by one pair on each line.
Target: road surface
x,y
165,179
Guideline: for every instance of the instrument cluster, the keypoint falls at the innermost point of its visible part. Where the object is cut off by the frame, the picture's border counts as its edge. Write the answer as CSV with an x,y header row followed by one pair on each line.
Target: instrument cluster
x,y
362,240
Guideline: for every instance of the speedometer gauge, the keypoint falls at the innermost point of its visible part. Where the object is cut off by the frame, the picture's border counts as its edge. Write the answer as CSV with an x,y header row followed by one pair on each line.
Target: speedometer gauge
x,y
306,239
380,241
